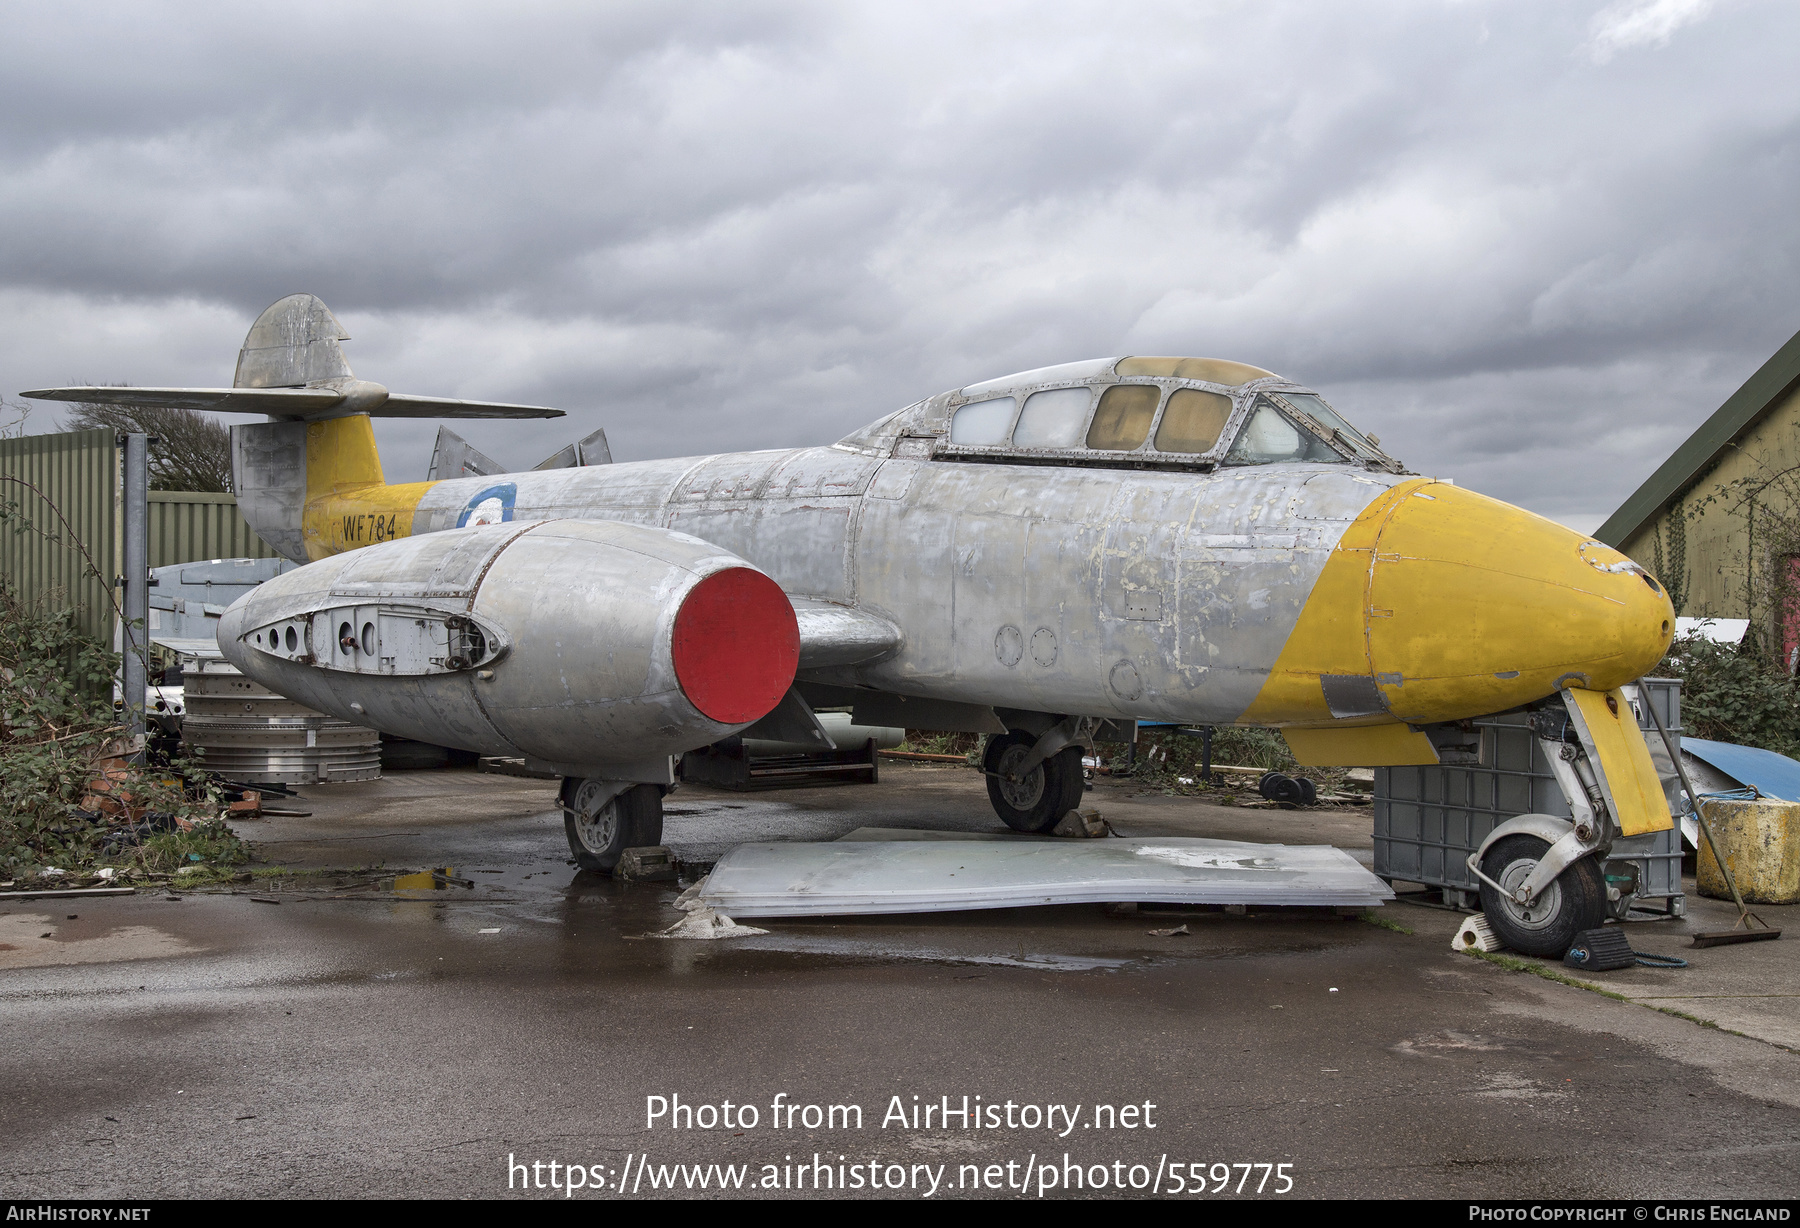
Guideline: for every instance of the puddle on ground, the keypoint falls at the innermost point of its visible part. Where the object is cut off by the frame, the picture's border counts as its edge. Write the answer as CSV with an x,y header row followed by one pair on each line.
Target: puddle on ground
x,y
23,945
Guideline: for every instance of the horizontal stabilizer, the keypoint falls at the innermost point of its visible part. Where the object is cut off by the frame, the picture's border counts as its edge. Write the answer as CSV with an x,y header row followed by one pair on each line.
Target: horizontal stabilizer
x,y
590,451
839,635
402,406
292,368
299,404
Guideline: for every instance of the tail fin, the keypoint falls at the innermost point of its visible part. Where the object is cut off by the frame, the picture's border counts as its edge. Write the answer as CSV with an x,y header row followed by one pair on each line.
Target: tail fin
x,y
455,457
593,450
293,343
280,469
312,489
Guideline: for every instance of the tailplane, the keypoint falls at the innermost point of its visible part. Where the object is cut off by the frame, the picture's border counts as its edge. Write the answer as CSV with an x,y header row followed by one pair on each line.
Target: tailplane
x,y
309,480
292,368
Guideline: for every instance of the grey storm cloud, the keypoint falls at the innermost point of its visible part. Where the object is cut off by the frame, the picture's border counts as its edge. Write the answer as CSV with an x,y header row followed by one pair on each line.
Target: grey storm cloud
x,y
1530,244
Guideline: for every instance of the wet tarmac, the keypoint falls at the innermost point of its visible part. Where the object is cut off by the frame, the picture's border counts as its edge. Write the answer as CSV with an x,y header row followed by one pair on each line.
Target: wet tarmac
x,y
358,1040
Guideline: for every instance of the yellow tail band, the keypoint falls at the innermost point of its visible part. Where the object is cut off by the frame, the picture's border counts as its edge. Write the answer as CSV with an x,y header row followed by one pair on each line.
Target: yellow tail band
x,y
348,501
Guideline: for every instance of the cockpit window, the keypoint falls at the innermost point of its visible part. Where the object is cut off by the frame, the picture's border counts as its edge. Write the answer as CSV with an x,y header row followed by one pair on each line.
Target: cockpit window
x,y
1193,420
1329,419
1124,416
983,422
1053,419
1271,435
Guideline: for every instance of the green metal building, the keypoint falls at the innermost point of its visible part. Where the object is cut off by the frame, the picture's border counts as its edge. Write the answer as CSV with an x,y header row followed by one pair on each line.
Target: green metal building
x,y
1719,521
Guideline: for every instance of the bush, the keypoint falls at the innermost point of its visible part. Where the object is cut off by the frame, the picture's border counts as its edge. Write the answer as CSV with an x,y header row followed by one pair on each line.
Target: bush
x,y
1731,694
58,737
935,742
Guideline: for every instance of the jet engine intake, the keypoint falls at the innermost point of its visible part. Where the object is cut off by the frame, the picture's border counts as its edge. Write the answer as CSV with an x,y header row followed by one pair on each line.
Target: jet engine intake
x,y
577,643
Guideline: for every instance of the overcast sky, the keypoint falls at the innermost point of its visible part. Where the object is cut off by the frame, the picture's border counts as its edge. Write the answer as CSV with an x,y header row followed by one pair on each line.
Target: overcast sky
x,y
1532,245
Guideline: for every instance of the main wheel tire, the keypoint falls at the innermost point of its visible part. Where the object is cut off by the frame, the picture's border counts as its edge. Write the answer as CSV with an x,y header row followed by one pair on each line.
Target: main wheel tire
x,y
600,831
1576,901
1037,801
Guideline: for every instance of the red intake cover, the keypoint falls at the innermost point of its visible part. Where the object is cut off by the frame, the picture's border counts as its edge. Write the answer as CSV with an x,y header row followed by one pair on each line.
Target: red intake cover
x,y
736,645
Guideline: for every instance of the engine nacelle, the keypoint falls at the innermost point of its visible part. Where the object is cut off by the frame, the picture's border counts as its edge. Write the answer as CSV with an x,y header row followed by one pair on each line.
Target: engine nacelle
x,y
582,644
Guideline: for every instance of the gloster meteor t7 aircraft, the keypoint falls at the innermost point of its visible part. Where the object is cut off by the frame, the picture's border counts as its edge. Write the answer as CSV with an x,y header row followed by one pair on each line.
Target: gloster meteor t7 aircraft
x,y
1037,558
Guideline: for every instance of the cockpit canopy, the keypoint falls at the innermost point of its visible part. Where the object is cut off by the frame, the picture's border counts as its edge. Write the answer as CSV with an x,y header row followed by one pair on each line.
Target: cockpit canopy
x,y
1163,413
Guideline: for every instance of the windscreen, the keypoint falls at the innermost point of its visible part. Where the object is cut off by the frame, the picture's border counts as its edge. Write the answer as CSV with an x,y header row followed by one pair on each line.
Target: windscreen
x,y
1271,435
1314,407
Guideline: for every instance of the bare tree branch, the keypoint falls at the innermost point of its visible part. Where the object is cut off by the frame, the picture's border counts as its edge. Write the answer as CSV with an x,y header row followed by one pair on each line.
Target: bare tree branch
x,y
190,452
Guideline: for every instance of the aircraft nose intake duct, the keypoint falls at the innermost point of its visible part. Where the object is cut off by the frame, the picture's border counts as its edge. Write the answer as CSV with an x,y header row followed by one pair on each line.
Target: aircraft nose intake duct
x,y
1475,605
1441,604
577,643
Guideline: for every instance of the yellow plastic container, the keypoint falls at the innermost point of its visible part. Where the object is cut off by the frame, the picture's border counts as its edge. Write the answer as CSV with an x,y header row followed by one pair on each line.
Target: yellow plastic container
x,y
1760,841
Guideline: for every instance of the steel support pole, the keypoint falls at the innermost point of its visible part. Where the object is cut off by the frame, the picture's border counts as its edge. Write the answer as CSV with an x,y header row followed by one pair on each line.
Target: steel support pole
x,y
135,675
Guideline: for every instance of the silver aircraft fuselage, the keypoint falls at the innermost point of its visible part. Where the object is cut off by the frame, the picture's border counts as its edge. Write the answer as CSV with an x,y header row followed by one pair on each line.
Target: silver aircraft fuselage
x,y
1108,592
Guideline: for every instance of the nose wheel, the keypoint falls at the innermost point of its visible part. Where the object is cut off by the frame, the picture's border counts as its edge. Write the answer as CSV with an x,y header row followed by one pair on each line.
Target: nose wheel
x,y
1546,924
1034,800
602,820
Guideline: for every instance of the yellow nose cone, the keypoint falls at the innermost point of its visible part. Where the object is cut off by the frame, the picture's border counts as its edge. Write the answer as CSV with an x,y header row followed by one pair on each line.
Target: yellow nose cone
x,y
1475,606
1441,604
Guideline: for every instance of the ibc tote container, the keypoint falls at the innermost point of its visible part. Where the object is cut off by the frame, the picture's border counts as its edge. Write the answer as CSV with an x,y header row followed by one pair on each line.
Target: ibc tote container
x,y
1429,819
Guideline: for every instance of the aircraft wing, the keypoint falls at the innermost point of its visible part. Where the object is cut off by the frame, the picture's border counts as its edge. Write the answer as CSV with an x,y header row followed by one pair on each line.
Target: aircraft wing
x,y
839,635
303,403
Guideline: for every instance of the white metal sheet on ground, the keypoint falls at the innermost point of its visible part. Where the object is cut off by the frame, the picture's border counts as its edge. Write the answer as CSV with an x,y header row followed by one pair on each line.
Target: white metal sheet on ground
x,y
880,834
860,876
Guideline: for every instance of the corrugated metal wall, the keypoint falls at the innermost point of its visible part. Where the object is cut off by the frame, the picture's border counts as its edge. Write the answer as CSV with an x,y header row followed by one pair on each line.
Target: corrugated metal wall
x,y
78,473
186,525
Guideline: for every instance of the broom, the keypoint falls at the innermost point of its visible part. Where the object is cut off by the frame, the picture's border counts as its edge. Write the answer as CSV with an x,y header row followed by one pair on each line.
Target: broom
x,y
1742,931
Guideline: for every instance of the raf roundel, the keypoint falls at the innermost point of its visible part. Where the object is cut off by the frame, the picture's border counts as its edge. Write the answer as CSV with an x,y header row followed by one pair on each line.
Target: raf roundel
x,y
736,645
493,505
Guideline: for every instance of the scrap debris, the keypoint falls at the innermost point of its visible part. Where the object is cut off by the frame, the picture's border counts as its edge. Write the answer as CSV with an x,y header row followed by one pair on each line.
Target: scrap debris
x,y
703,921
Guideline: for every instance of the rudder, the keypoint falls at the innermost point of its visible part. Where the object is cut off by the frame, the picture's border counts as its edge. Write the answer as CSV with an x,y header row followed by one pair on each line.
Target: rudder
x,y
314,489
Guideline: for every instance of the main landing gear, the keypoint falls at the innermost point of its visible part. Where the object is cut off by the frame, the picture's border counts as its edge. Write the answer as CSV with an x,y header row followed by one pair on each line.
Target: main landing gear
x,y
1034,799
603,818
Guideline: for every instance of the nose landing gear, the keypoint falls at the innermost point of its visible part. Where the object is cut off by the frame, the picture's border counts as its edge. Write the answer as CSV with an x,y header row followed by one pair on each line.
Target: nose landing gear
x,y
1546,922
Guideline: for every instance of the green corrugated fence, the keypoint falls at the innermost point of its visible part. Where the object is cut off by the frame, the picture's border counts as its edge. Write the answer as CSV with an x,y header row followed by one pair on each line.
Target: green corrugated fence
x,y
188,525
77,473
41,552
